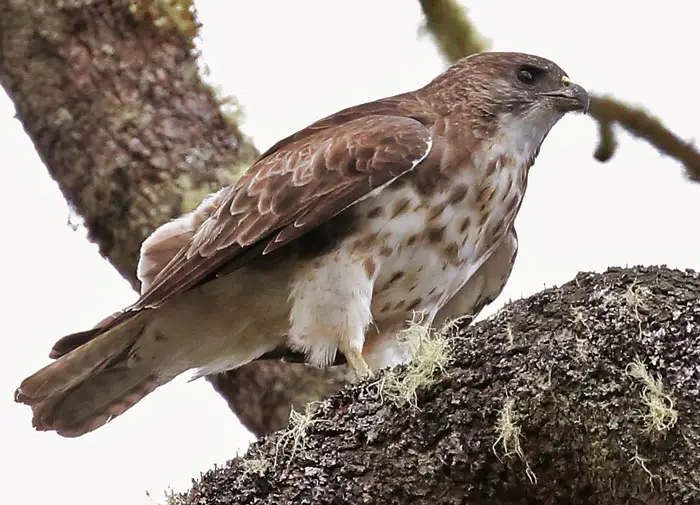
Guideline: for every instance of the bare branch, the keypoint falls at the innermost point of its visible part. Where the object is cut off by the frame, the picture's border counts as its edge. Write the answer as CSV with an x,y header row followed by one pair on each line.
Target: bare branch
x,y
456,37
640,123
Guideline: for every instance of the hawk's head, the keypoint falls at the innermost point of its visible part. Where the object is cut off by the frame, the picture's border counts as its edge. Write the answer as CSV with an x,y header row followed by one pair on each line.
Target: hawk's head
x,y
511,83
508,95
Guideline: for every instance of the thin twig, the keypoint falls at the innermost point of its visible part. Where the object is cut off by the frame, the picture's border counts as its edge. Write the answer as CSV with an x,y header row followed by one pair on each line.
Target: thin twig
x,y
456,37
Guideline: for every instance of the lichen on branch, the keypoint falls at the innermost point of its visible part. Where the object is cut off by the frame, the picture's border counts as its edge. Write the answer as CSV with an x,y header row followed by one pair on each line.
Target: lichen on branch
x,y
111,95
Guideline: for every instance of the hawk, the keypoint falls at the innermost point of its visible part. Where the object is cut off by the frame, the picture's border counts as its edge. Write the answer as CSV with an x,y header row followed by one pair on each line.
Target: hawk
x,y
328,245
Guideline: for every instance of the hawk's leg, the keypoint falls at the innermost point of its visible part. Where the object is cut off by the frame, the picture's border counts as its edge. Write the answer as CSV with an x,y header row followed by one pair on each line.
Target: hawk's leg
x,y
358,364
330,311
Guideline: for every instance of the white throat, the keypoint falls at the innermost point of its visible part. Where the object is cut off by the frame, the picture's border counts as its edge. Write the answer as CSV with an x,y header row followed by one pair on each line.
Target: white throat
x,y
522,136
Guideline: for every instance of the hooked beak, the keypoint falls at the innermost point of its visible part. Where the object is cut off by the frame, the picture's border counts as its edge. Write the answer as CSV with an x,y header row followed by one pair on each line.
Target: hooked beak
x,y
571,97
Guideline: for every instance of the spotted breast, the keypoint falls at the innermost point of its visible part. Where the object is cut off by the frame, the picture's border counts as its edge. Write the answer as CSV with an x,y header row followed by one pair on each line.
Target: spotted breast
x,y
431,243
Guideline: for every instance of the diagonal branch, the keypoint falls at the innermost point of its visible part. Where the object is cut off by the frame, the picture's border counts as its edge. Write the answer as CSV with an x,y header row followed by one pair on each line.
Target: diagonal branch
x,y
456,37
113,102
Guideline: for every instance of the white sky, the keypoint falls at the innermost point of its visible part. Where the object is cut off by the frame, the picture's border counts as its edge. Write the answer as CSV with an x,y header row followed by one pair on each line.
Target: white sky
x,y
290,63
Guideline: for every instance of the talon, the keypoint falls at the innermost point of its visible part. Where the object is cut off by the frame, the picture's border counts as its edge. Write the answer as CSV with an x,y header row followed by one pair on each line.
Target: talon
x,y
358,364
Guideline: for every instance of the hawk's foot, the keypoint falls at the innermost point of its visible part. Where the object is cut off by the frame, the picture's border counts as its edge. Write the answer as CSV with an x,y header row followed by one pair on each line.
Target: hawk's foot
x,y
358,364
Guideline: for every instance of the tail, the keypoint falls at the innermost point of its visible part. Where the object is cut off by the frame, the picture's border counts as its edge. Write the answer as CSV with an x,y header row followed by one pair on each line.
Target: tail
x,y
92,384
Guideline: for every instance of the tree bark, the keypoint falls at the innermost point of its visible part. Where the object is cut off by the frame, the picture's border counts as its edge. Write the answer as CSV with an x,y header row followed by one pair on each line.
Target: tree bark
x,y
118,113
583,394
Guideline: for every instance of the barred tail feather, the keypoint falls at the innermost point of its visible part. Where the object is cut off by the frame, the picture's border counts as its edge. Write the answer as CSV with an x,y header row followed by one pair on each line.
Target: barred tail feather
x,y
90,385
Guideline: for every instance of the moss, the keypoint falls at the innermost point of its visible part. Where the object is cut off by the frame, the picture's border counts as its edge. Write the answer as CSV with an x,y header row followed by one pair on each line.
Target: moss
x,y
168,15
430,359
292,439
509,434
660,415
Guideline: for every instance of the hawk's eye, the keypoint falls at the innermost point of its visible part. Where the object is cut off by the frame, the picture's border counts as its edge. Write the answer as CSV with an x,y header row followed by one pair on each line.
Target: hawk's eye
x,y
529,74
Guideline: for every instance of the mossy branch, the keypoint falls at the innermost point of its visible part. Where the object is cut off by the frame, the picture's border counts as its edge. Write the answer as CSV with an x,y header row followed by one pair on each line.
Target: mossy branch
x,y
582,394
456,37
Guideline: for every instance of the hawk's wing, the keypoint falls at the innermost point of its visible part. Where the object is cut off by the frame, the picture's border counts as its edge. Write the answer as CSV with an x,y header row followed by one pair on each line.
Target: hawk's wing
x,y
299,184
290,192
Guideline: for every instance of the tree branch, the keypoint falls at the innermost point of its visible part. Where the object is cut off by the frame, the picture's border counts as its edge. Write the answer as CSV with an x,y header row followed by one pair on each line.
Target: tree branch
x,y
580,395
456,37
112,99
454,33
640,123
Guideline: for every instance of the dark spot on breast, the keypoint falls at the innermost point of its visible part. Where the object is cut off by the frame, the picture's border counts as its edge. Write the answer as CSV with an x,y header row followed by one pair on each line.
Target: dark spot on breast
x,y
370,267
385,307
386,251
414,304
435,235
399,305
494,165
485,194
412,240
159,336
432,290
436,211
400,206
375,213
395,277
458,194
464,225
452,254
367,242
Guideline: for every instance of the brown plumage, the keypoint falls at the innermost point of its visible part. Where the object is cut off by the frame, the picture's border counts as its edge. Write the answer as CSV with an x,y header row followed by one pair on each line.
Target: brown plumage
x,y
336,235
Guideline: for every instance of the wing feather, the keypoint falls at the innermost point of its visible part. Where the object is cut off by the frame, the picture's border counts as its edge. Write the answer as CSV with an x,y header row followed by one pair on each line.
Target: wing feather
x,y
293,190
